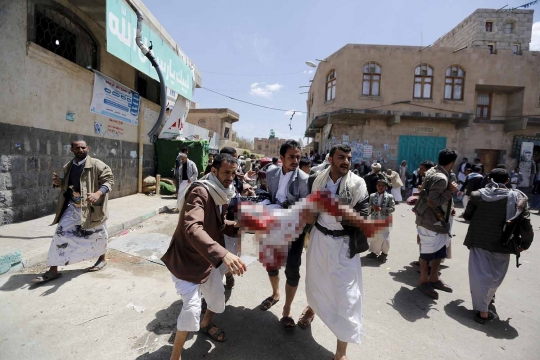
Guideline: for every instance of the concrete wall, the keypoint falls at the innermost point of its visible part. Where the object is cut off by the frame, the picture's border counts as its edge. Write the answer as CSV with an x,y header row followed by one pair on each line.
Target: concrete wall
x,y
39,89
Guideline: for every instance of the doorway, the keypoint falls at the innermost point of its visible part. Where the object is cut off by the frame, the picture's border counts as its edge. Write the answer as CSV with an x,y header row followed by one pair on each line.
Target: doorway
x,y
489,158
415,149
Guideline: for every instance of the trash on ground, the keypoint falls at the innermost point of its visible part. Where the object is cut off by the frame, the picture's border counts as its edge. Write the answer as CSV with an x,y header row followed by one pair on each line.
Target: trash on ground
x,y
138,309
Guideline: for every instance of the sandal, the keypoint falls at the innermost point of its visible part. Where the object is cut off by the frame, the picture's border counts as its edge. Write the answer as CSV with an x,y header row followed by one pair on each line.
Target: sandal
x,y
428,290
305,321
439,285
48,276
288,322
216,335
481,320
229,281
100,264
268,303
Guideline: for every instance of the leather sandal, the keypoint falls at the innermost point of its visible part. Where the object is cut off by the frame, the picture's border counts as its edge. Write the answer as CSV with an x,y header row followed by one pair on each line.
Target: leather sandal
x,y
216,335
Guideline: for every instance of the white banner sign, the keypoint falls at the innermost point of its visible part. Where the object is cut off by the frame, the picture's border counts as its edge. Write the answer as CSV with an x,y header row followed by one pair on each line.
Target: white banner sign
x,y
176,120
368,151
114,100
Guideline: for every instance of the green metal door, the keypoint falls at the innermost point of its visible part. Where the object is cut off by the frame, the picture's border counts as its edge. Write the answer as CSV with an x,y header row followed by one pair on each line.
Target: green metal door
x,y
415,149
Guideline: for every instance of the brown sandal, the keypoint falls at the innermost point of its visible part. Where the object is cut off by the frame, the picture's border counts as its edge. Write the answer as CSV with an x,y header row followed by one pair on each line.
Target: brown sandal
x,y
216,335
288,322
305,321
229,281
268,303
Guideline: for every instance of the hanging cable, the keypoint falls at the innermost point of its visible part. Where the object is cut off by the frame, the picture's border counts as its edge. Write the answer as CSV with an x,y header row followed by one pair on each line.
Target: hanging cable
x,y
252,75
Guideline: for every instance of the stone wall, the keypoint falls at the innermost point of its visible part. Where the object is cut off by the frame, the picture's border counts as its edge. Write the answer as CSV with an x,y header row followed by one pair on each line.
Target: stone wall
x,y
467,142
29,156
472,30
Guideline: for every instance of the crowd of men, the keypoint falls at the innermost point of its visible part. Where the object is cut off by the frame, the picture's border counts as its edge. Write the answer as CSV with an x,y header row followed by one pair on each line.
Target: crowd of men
x,y
206,244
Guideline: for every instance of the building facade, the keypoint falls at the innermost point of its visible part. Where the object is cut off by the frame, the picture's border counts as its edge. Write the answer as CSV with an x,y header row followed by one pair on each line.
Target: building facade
x,y
268,147
394,103
51,48
492,29
218,121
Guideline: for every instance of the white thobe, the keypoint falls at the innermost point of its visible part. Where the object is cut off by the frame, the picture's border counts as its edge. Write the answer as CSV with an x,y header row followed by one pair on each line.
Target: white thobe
x,y
334,280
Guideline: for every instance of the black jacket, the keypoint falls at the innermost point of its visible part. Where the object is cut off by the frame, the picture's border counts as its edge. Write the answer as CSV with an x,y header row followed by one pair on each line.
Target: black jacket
x,y
473,184
487,223
371,182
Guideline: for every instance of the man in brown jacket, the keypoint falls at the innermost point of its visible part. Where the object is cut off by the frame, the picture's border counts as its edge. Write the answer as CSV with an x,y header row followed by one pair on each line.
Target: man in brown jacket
x,y
81,213
197,257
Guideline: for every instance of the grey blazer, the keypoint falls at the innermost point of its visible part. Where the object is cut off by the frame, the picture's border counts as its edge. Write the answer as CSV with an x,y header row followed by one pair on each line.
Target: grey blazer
x,y
298,185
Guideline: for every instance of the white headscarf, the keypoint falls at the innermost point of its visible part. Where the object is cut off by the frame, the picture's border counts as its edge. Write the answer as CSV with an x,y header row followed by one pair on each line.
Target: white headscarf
x,y
219,193
354,189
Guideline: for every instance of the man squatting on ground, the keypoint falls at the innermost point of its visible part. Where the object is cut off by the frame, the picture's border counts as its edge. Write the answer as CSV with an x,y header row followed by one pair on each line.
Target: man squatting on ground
x,y
197,257
493,211
288,184
434,211
81,213
333,269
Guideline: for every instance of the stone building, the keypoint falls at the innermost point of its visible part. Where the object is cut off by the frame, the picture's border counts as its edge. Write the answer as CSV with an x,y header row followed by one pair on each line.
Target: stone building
x,y
393,103
49,50
268,147
219,121
492,29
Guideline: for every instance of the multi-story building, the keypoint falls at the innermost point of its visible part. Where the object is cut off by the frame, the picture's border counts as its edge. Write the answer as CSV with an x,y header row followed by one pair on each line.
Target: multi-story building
x,y
219,121
471,91
268,147
52,49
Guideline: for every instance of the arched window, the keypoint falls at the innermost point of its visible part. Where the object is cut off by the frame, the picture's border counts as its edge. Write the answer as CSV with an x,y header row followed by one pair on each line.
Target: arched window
x,y
371,83
423,81
55,30
331,85
454,82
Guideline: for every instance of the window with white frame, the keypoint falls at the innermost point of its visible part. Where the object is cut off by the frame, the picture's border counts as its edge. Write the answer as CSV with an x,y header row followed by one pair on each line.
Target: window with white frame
x,y
371,83
454,82
423,81
509,28
331,85
483,105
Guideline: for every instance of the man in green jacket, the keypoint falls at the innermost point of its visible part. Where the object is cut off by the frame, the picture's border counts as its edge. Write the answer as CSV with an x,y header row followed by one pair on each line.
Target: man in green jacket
x,y
491,211
81,213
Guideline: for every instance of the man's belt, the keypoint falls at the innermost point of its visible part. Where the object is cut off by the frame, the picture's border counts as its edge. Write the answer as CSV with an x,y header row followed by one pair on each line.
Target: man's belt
x,y
332,233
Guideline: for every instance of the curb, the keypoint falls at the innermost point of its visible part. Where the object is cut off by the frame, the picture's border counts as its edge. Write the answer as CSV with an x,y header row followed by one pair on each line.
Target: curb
x,y
113,231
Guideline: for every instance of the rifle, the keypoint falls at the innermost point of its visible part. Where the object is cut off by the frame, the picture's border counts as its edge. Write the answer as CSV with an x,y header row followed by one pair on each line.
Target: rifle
x,y
510,239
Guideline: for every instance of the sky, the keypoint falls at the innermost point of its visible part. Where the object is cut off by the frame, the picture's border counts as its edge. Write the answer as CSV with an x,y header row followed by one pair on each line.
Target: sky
x,y
256,50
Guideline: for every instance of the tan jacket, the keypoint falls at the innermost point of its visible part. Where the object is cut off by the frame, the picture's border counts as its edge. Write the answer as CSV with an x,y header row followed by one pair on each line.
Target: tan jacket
x,y
439,196
95,174
198,244
395,180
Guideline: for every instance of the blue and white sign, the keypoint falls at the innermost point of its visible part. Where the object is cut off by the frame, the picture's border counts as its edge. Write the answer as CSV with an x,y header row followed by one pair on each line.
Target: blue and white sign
x,y
114,100
121,32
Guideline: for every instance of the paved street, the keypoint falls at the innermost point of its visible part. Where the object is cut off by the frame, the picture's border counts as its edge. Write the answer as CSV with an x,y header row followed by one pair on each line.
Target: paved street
x,y
85,316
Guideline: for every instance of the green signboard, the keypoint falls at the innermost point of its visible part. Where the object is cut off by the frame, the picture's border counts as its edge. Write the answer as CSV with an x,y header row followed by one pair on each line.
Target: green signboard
x,y
121,31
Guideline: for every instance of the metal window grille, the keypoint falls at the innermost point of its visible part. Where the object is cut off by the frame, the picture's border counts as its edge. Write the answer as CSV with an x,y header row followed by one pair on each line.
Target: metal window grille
x,y
148,88
55,31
